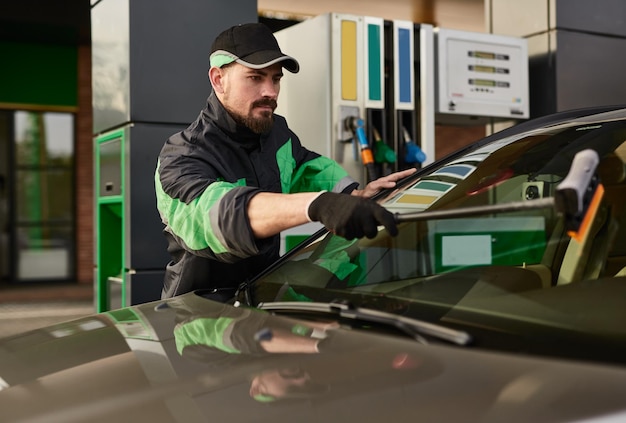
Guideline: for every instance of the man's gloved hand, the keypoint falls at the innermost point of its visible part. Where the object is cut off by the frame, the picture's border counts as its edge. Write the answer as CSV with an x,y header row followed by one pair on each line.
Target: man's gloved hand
x,y
349,216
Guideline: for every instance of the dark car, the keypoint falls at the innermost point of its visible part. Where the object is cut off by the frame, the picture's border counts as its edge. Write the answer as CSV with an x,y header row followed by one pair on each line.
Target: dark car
x,y
502,299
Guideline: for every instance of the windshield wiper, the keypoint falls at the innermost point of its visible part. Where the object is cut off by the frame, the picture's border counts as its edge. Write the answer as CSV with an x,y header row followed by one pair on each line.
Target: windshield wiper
x,y
414,328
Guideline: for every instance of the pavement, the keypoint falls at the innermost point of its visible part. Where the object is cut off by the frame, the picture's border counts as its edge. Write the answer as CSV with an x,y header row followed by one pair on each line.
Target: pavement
x,y
26,308
16,317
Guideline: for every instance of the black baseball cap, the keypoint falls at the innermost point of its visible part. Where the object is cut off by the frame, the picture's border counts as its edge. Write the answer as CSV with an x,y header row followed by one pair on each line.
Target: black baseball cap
x,y
252,45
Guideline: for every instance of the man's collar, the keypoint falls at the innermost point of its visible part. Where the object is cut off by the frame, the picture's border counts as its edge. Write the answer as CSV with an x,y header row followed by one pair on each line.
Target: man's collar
x,y
226,123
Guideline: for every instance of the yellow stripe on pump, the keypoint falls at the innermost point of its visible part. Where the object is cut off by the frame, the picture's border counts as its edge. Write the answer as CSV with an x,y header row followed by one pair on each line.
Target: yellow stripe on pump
x,y
348,60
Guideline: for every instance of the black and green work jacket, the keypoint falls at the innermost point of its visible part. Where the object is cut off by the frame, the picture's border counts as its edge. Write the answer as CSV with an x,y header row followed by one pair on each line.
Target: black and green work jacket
x,y
205,177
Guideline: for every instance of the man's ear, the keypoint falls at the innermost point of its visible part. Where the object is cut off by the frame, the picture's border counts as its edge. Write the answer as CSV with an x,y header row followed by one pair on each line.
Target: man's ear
x,y
216,76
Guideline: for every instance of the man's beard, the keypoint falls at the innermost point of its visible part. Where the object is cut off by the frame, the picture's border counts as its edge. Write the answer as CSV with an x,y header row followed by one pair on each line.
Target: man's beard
x,y
258,125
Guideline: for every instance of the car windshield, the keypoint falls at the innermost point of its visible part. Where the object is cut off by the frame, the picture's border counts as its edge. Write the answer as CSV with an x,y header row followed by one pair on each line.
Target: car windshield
x,y
515,280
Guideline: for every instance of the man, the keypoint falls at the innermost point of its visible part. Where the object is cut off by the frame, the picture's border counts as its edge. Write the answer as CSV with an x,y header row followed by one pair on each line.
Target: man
x,y
236,177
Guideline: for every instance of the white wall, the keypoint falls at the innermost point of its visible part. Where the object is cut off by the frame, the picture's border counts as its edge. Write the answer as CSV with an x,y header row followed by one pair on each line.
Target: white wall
x,y
468,15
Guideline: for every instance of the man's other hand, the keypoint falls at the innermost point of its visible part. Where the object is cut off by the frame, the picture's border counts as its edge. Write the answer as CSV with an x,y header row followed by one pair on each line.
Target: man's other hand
x,y
383,182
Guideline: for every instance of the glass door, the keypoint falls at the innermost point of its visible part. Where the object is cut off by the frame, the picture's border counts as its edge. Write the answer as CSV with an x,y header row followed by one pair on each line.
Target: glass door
x,y
43,200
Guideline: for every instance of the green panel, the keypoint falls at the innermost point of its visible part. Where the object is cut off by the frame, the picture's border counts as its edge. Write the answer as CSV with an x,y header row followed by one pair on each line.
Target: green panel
x,y
110,223
39,74
375,72
508,248
110,259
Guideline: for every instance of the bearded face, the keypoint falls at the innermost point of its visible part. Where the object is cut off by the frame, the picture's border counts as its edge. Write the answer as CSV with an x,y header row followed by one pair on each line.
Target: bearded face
x,y
250,95
259,118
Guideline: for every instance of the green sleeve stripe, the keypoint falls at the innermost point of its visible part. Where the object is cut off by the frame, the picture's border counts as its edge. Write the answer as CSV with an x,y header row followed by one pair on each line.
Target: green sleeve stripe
x,y
286,166
318,174
214,333
191,222
315,175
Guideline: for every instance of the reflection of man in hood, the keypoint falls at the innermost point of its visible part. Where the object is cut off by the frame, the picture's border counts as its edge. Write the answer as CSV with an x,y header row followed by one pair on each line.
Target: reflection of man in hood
x,y
290,359
247,331
284,383
237,336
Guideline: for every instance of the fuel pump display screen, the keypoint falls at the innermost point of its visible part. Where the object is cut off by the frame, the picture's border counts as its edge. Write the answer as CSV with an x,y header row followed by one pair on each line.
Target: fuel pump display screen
x,y
487,69
481,74
483,82
482,68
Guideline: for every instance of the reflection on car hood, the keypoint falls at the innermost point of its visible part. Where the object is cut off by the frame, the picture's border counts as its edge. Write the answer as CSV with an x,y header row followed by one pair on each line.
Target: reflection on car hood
x,y
189,359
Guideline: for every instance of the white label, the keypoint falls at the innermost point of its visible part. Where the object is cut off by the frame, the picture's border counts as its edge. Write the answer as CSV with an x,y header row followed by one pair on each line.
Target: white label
x,y
464,250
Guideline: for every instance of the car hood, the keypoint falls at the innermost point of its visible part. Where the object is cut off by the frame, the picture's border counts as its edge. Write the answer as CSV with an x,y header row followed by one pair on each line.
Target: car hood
x,y
190,359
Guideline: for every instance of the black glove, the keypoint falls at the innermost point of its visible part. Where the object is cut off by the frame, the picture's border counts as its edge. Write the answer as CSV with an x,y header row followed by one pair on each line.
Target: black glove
x,y
350,216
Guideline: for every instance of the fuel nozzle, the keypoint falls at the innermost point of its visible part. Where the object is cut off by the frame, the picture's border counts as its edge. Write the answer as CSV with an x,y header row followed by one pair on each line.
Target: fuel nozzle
x,y
382,152
413,153
356,125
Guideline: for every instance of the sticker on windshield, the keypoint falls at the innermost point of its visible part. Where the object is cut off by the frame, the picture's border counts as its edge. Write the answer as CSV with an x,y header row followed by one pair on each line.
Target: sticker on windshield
x,y
460,171
420,196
